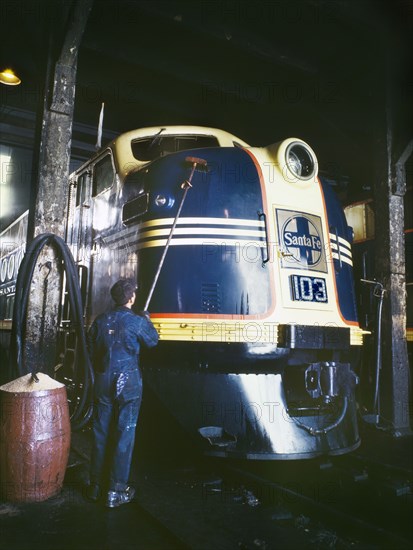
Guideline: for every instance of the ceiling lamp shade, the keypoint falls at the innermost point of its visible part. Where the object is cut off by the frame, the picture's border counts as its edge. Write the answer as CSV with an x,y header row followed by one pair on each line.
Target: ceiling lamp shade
x,y
9,78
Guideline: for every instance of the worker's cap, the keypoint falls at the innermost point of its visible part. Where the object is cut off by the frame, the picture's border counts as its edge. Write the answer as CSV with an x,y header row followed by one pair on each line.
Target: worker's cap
x,y
122,291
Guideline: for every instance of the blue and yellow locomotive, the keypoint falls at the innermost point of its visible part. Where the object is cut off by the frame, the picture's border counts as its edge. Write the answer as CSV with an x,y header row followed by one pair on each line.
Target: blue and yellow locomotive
x,y
255,303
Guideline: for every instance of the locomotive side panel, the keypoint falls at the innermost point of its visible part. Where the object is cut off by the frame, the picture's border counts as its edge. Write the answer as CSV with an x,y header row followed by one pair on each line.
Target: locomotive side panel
x,y
341,254
12,247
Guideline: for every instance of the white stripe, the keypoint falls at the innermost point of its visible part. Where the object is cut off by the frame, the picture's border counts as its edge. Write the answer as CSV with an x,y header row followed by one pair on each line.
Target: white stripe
x,y
340,240
201,231
200,242
341,250
133,229
343,258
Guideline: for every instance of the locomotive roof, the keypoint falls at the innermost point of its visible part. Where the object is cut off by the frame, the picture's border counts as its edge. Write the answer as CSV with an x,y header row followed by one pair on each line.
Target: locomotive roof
x,y
127,162
225,138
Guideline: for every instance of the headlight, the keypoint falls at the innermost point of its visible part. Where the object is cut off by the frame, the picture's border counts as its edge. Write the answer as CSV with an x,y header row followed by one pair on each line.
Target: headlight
x,y
163,201
300,160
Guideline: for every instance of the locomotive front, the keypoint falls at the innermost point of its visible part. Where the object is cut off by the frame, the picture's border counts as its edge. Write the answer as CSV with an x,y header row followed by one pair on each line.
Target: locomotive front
x,y
255,302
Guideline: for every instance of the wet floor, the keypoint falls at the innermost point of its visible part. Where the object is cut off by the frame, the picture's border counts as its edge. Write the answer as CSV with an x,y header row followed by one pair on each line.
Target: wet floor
x,y
177,505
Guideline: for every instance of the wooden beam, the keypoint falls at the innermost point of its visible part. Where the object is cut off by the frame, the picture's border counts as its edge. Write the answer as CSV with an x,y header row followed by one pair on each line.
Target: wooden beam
x,y
54,154
391,271
53,160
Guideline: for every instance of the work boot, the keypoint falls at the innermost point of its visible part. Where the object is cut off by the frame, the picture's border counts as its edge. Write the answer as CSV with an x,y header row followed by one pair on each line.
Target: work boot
x,y
117,498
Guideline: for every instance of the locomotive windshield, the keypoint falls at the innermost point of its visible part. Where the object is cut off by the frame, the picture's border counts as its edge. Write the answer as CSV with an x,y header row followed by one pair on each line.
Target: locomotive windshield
x,y
148,149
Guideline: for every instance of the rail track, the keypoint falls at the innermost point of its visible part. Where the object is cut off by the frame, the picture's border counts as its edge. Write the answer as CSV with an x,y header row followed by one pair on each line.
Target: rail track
x,y
363,500
342,502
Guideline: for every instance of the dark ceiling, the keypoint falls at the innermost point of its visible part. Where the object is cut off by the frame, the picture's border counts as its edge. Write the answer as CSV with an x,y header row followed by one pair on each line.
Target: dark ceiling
x,y
263,70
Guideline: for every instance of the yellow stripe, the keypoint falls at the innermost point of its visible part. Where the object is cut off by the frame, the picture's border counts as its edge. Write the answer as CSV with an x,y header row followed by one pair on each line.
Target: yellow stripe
x,y
356,336
228,331
209,330
201,221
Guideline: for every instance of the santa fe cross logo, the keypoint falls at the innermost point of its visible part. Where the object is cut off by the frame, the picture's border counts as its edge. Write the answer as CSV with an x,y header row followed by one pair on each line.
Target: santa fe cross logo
x,y
301,241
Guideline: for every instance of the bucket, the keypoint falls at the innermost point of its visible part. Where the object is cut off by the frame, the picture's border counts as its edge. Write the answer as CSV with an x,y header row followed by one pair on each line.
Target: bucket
x,y
34,438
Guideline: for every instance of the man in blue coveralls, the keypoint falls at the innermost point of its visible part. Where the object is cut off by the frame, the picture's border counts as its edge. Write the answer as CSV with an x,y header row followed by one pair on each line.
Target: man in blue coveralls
x,y
114,342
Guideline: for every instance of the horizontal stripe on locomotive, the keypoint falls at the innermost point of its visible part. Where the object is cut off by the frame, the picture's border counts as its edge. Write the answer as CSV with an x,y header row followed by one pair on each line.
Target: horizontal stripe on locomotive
x,y
218,329
199,241
234,227
342,242
202,231
341,258
341,250
201,221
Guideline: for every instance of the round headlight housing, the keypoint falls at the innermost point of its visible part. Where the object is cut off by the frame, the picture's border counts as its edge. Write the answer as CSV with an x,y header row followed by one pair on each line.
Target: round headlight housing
x,y
300,160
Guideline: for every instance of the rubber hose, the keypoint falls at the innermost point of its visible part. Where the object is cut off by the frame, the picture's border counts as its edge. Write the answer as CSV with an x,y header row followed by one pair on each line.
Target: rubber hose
x,y
81,414
321,431
22,294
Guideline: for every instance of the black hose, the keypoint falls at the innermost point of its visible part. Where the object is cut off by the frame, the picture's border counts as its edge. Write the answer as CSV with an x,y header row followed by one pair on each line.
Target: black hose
x,y
321,431
378,293
83,410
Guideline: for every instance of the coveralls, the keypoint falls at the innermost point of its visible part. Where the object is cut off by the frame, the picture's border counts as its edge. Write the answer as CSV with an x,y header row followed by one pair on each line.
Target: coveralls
x,y
114,341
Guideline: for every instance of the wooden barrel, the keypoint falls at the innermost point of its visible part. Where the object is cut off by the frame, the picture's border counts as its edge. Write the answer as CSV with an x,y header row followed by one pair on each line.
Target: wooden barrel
x,y
34,443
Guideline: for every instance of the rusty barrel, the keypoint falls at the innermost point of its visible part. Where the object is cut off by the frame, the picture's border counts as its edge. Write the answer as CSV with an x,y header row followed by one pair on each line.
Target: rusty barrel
x,y
34,438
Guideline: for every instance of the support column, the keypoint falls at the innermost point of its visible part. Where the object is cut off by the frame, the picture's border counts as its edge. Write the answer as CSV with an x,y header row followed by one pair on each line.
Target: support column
x,y
53,161
391,271
54,154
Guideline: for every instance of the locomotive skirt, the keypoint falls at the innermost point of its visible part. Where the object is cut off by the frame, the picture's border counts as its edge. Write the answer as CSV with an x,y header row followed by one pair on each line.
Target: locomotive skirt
x,y
118,397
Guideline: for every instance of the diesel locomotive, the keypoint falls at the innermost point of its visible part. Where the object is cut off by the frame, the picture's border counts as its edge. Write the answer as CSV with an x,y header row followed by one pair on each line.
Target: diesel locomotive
x,y
245,255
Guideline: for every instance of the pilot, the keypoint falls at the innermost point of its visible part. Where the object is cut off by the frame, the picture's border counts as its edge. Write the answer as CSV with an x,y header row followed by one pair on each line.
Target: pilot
x,y
114,342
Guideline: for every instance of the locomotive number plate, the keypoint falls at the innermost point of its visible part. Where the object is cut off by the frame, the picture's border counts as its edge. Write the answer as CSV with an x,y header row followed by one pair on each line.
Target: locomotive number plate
x,y
308,289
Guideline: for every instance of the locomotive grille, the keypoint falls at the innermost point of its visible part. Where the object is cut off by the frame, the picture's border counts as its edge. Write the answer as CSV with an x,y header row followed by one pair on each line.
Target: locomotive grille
x,y
210,297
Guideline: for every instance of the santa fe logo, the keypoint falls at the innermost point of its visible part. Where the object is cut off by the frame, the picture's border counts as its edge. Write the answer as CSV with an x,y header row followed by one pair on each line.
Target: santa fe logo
x,y
301,240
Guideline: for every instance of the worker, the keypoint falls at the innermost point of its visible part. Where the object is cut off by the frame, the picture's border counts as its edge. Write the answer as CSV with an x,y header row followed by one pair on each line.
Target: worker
x,y
114,342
